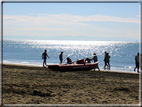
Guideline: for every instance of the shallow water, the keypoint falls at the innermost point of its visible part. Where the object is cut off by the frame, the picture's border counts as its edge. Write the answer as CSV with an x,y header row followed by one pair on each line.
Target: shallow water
x,y
30,51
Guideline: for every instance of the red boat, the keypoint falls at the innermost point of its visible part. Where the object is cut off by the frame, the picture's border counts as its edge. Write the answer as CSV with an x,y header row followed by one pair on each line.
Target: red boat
x,y
79,65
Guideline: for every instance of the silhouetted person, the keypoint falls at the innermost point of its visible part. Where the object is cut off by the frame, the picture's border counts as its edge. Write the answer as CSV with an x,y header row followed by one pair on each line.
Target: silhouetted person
x,y
69,61
108,60
105,59
137,62
95,58
61,57
44,56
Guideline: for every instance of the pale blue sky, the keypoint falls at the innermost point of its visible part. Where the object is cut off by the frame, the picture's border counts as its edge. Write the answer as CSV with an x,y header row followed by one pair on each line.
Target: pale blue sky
x,y
72,21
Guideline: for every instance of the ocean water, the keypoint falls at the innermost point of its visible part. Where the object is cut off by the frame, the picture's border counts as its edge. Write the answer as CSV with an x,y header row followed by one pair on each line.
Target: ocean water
x,y
30,52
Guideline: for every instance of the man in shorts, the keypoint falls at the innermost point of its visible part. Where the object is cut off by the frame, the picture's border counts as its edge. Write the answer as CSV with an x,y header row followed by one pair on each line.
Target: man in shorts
x,y
61,57
44,56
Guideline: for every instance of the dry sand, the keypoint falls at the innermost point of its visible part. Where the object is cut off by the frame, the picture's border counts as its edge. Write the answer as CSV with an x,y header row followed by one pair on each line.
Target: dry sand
x,y
37,85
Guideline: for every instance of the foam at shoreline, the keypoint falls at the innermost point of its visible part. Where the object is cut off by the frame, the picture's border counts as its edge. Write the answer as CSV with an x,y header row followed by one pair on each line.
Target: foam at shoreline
x,y
39,66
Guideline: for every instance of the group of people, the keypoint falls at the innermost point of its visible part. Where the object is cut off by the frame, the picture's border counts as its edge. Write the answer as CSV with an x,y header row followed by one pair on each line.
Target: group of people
x,y
87,60
45,55
69,61
95,59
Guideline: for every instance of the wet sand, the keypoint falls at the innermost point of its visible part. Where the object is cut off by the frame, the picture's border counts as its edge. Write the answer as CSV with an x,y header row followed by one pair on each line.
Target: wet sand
x,y
37,85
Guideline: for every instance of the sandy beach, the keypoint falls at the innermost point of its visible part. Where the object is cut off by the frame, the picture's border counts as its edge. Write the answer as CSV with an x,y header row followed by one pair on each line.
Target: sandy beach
x,y
37,85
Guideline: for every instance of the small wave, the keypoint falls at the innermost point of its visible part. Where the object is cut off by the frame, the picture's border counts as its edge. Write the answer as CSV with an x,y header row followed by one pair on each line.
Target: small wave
x,y
25,63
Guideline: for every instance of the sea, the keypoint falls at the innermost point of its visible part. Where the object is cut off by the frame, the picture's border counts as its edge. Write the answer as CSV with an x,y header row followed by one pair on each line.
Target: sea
x,y
29,52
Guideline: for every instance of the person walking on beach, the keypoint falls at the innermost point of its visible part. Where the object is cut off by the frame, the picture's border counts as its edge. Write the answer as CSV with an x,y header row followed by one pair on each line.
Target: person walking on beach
x,y
44,56
107,60
61,57
137,62
95,58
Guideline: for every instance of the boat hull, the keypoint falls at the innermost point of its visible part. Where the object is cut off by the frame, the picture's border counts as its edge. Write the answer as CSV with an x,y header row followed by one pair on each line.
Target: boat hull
x,y
73,67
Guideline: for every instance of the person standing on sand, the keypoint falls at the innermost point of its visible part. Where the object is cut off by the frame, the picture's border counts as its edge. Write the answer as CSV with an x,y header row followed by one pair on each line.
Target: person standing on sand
x,y
105,59
137,62
95,58
44,55
61,57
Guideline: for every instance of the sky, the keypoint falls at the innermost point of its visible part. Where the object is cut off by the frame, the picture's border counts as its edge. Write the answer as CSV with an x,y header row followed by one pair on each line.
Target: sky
x,y
72,21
